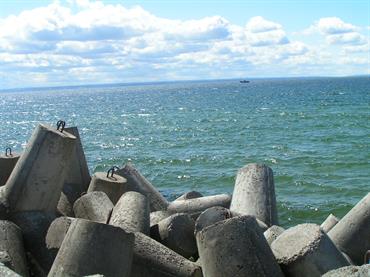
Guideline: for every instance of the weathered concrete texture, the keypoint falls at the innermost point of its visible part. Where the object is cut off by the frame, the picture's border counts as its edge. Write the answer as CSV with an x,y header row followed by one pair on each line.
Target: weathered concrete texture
x,y
137,182
102,249
155,260
272,233
37,179
236,247
211,216
177,233
200,204
157,216
77,178
305,250
6,272
7,164
350,271
95,206
254,193
329,223
114,186
57,231
189,195
12,252
348,258
352,233
262,225
34,226
131,213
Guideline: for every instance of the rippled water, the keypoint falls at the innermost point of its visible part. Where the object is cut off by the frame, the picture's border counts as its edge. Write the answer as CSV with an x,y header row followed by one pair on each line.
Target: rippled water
x,y
314,133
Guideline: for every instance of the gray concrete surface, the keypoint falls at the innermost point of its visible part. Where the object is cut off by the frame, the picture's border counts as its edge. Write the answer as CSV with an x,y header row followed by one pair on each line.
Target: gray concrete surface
x,y
350,271
77,178
156,260
329,223
254,193
198,205
7,164
95,206
132,213
189,195
102,249
211,216
12,253
57,231
236,247
37,179
114,186
157,216
352,233
272,233
137,182
6,272
305,250
177,233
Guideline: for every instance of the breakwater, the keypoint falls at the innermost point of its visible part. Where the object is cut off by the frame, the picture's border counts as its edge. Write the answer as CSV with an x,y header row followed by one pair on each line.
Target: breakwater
x,y
64,222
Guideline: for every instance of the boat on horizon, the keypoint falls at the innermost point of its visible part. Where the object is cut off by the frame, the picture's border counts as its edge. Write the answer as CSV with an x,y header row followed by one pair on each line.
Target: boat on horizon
x,y
244,81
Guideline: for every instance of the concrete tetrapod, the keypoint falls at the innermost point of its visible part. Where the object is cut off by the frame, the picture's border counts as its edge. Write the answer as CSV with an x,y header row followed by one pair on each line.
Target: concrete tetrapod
x,y
77,177
236,247
6,272
254,193
352,233
189,195
211,216
156,260
272,233
7,164
177,233
95,206
137,182
37,179
198,205
12,252
57,231
102,249
132,213
114,186
34,226
305,250
350,271
157,216
329,223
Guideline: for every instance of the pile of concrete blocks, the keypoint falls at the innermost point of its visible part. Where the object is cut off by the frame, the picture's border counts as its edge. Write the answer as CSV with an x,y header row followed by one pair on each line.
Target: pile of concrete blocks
x,y
57,220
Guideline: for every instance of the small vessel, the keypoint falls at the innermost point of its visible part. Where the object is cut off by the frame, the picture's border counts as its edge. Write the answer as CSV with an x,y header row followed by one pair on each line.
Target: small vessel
x,y
244,81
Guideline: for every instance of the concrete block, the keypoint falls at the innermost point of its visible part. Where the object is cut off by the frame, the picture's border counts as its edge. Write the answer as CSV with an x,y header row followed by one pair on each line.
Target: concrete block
x,y
157,216
262,225
254,193
6,272
177,233
37,179
305,250
153,259
57,231
189,195
211,216
272,233
131,213
198,205
34,226
102,249
235,247
95,206
137,182
352,233
77,178
7,164
350,271
329,223
12,252
112,184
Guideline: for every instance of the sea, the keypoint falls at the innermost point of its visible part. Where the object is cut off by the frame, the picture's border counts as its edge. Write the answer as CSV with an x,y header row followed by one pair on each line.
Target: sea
x,y
313,132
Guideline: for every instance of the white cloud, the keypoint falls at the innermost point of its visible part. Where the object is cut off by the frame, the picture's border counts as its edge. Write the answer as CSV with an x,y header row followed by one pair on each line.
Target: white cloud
x,y
88,41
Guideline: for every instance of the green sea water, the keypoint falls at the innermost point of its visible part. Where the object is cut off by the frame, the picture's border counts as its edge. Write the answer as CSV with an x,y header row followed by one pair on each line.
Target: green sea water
x,y
313,133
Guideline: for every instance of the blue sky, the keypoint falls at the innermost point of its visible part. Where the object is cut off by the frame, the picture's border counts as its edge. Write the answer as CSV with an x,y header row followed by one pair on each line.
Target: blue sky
x,y
46,43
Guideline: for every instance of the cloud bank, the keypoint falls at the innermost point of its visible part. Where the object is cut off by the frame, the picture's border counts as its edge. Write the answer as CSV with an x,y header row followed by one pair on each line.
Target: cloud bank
x,y
91,42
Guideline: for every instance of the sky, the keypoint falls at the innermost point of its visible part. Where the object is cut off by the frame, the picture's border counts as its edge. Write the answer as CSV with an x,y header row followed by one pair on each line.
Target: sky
x,y
75,42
